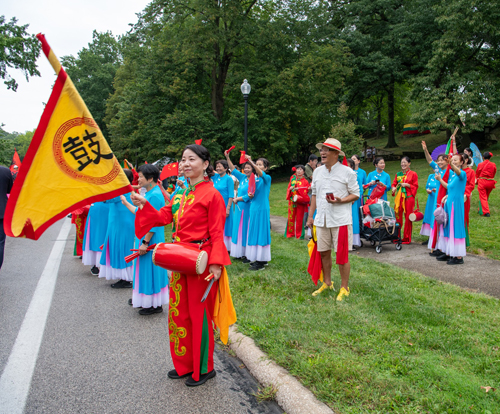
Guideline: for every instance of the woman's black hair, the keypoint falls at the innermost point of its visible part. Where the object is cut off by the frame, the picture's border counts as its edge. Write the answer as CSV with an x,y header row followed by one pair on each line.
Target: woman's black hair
x,y
313,157
468,149
203,153
224,165
149,171
265,161
467,158
357,157
245,163
406,158
351,163
377,160
129,174
487,155
443,156
300,166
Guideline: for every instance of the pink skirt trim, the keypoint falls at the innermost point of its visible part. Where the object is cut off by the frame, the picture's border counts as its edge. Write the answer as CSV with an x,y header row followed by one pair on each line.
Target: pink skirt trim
x,y
426,229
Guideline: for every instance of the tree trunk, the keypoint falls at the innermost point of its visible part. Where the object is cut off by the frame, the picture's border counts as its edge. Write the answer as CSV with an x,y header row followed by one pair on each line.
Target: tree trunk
x,y
219,74
379,116
391,140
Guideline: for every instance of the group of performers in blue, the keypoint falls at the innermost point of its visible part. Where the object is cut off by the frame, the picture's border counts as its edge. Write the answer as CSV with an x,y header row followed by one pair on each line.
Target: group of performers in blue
x,y
247,232
109,230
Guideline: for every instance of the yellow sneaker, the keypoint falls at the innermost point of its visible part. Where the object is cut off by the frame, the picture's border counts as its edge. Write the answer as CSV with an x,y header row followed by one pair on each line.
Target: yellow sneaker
x,y
322,288
343,292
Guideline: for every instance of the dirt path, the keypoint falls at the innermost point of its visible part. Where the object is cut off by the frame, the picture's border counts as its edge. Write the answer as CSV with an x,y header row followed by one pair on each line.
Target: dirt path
x,y
477,274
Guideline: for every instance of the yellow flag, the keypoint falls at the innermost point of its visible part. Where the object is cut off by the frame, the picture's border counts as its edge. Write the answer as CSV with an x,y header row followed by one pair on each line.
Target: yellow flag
x,y
68,165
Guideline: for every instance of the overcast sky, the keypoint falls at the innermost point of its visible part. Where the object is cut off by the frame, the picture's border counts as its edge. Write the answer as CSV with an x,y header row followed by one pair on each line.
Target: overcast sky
x,y
68,27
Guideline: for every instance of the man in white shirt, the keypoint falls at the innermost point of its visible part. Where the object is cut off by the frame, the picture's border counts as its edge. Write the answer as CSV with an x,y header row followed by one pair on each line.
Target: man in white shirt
x,y
334,188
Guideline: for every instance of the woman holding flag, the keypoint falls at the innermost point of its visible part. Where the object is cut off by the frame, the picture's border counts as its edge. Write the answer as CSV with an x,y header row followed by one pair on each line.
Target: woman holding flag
x,y
469,187
454,230
150,289
441,169
224,184
404,189
118,242
201,222
241,209
258,249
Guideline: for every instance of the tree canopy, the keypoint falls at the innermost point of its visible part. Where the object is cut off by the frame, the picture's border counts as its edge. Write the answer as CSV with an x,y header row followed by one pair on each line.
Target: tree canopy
x,y
18,50
175,76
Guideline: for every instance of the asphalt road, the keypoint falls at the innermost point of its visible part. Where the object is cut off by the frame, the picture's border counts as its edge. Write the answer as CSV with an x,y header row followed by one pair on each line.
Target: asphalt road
x,y
97,354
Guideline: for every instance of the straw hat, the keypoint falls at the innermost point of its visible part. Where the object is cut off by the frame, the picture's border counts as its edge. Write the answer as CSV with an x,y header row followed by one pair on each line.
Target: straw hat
x,y
331,143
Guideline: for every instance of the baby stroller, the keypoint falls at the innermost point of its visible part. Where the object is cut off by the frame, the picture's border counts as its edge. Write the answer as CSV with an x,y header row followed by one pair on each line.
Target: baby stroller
x,y
378,225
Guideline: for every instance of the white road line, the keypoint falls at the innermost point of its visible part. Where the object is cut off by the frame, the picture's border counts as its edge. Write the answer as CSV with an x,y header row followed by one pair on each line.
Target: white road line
x,y
16,378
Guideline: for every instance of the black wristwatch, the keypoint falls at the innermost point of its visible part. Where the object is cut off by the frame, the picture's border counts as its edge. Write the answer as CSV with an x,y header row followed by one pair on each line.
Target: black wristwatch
x,y
145,242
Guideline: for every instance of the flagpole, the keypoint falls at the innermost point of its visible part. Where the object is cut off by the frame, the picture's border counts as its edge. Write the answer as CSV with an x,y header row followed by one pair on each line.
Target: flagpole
x,y
51,56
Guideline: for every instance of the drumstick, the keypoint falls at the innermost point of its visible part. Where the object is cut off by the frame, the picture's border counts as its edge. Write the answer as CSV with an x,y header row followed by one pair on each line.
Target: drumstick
x,y
207,291
209,277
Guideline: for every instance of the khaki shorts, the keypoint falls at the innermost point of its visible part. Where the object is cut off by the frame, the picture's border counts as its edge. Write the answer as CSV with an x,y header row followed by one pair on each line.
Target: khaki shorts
x,y
327,238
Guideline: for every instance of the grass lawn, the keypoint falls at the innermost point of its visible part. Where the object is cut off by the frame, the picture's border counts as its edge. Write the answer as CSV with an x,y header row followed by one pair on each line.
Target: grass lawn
x,y
400,342
483,231
409,142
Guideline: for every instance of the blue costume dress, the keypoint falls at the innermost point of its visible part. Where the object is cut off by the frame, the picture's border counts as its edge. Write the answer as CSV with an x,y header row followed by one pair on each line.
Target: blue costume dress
x,y
438,233
362,180
95,233
259,233
383,177
150,281
454,231
119,241
225,186
241,217
430,207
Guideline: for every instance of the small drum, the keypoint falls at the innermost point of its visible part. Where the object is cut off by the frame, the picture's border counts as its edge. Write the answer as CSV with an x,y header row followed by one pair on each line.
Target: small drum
x,y
180,257
416,216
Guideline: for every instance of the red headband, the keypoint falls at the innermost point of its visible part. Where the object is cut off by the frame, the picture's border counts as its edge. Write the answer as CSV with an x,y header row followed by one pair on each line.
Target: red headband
x,y
491,155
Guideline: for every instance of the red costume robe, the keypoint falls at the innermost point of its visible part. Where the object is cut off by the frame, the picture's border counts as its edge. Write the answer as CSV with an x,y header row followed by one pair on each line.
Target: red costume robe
x,y
79,219
201,217
405,201
485,174
469,187
297,209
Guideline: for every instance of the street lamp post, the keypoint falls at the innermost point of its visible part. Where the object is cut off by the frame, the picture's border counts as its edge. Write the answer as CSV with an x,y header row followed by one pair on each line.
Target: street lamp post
x,y
245,90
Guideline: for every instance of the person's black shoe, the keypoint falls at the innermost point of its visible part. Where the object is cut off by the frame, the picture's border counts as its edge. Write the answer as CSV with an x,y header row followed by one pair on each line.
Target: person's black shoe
x,y
443,258
118,284
151,310
94,271
121,284
436,253
455,261
130,302
486,215
190,382
174,375
425,242
257,266
245,260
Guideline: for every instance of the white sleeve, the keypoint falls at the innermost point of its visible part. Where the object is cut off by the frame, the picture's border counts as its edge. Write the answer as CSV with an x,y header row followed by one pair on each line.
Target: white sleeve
x,y
352,183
